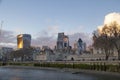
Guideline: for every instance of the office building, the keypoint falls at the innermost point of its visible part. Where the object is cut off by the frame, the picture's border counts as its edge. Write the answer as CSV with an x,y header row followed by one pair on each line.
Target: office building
x,y
62,41
23,40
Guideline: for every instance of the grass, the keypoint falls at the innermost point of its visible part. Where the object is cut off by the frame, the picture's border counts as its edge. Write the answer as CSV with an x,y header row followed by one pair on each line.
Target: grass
x,y
94,66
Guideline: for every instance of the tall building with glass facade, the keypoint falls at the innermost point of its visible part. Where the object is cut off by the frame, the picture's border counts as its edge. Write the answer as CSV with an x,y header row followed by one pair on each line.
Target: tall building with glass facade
x,y
62,41
23,40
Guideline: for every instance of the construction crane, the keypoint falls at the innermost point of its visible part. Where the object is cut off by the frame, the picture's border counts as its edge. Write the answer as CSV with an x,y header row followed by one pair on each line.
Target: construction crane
x,y
1,28
1,55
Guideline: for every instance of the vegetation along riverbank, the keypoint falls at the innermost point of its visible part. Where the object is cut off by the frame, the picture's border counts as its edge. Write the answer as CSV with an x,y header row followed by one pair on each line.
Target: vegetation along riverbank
x,y
91,66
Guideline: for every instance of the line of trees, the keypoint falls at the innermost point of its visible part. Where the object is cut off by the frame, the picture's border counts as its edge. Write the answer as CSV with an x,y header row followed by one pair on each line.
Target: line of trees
x,y
26,54
108,39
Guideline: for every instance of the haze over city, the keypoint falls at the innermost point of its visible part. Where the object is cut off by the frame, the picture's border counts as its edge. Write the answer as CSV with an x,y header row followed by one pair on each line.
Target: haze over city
x,y
44,19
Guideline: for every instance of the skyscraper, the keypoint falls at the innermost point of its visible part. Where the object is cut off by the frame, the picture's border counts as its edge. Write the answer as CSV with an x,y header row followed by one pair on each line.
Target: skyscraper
x,y
23,40
66,41
62,41
81,46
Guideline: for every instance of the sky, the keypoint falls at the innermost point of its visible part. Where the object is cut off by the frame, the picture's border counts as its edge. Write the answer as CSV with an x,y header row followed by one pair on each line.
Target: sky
x,y
43,19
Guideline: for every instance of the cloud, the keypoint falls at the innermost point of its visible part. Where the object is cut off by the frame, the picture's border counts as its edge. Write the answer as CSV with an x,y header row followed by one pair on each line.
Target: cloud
x,y
84,36
12,45
19,30
51,41
48,31
109,18
47,37
53,30
76,29
44,41
7,38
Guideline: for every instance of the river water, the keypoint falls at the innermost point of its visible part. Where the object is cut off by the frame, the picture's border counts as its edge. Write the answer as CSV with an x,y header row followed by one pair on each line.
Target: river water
x,y
37,74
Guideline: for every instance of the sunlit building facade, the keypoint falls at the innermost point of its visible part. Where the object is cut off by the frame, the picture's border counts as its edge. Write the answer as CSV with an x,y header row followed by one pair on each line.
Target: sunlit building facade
x,y
62,41
23,40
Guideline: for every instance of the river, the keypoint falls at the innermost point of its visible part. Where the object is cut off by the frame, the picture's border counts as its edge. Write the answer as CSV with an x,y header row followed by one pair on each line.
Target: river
x,y
37,74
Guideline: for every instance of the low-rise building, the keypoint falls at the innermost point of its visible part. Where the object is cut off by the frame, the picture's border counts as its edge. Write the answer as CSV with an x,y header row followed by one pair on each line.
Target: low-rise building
x,y
4,52
40,57
89,57
45,55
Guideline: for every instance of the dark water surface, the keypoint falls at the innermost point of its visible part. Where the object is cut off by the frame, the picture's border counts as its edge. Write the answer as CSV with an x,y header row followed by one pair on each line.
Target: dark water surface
x,y
29,74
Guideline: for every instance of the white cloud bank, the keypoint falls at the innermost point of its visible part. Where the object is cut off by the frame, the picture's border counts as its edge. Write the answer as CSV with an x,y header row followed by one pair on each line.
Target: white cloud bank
x,y
110,18
47,37
7,39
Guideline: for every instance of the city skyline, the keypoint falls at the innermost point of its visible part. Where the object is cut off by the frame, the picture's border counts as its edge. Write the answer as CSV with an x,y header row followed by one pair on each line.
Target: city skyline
x,y
44,19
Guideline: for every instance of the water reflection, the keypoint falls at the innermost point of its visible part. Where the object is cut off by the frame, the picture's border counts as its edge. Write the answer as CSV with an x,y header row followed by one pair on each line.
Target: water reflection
x,y
28,74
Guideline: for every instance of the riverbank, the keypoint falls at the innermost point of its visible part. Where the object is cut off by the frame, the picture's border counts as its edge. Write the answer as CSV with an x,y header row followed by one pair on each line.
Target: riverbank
x,y
72,71
94,68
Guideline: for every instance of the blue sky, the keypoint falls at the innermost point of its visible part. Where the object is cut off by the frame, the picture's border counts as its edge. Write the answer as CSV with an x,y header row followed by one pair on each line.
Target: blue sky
x,y
47,17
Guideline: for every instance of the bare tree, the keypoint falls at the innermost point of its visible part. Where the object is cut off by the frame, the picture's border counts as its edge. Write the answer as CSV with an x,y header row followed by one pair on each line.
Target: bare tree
x,y
109,39
114,34
103,42
25,54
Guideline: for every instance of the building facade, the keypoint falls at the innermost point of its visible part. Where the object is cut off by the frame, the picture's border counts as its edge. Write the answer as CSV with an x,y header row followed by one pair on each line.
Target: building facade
x,y
23,40
62,41
79,46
